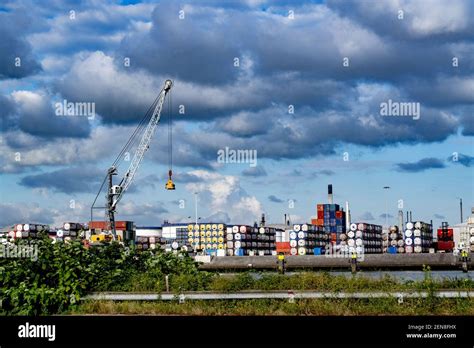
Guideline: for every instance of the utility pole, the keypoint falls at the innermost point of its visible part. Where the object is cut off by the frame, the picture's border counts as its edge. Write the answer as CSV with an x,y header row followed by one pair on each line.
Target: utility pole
x,y
386,206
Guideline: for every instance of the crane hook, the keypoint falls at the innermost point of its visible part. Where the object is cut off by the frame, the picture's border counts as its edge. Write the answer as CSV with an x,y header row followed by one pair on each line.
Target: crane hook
x,y
170,184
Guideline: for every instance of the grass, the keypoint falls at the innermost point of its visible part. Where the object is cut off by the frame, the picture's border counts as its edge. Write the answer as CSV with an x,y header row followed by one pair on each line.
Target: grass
x,y
318,281
347,307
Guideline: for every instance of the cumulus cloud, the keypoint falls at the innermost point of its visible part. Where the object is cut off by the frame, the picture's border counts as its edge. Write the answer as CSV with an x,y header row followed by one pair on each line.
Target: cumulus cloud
x,y
255,171
223,193
275,199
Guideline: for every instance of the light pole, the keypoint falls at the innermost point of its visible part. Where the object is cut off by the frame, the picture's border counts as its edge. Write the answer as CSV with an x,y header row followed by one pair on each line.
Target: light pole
x,y
386,206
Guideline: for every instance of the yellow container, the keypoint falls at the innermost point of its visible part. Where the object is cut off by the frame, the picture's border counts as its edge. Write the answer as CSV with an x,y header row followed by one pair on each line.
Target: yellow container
x,y
196,227
214,239
220,227
190,234
208,240
214,246
190,227
203,246
208,226
220,246
208,233
220,239
202,234
190,240
220,233
196,234
214,226
214,233
203,227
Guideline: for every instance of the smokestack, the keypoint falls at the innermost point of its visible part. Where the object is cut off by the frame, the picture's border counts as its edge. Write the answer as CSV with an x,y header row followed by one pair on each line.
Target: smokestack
x,y
400,220
330,194
410,217
460,207
262,222
407,216
286,222
348,217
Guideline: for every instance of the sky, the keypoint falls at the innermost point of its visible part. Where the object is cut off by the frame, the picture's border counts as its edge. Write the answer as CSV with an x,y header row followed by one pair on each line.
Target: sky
x,y
300,84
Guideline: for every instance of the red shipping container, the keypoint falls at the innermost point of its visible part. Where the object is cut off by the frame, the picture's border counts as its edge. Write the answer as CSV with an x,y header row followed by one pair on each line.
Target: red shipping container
x,y
102,225
97,225
283,247
314,221
446,245
339,214
320,214
446,233
333,237
320,207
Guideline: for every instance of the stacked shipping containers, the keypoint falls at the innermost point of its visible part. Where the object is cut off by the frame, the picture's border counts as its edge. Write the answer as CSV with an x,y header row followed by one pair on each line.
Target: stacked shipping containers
x,y
306,239
243,240
125,229
445,238
333,220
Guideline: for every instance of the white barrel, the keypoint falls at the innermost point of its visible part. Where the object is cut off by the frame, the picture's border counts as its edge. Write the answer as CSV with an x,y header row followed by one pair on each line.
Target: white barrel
x,y
358,234
153,246
471,231
301,234
393,236
343,237
418,225
393,242
352,249
237,236
358,242
293,235
417,249
296,227
18,234
393,229
351,234
361,226
60,233
19,227
409,225
350,242
401,242
416,233
26,227
401,250
353,227
417,241
67,226
152,240
408,249
293,251
293,243
408,241
359,249
301,242
230,236
302,251
471,240
237,244
304,227
408,233
174,245
235,229
229,229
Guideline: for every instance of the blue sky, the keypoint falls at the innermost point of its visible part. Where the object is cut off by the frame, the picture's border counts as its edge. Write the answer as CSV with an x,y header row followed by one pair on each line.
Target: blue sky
x,y
289,53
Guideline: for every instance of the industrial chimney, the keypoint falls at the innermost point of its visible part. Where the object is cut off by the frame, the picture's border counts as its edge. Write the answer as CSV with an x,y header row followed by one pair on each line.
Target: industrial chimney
x,y
400,220
330,194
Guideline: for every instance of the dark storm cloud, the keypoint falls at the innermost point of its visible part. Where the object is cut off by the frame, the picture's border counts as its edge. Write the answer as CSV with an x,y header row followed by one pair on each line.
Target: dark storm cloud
x,y
421,165
367,216
70,180
465,160
13,45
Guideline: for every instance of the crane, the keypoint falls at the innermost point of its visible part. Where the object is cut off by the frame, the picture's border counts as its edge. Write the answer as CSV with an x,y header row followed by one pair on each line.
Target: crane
x,y
146,130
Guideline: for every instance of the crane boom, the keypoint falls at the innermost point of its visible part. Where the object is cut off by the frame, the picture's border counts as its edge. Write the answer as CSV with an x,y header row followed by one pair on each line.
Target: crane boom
x,y
116,192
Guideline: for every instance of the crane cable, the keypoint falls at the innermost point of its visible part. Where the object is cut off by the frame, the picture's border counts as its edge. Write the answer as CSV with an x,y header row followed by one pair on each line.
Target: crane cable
x,y
170,135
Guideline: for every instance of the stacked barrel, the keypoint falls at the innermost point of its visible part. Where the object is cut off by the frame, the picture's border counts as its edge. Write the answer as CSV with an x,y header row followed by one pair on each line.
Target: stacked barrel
x,y
418,237
363,238
393,241
209,237
307,239
70,231
148,242
23,231
243,240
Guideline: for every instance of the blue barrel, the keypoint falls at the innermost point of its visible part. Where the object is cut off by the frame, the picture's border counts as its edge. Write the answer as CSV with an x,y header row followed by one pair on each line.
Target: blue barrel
x,y
392,249
317,251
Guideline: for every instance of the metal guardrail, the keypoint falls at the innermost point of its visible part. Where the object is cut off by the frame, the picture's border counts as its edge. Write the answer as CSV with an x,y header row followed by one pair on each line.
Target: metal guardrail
x,y
110,296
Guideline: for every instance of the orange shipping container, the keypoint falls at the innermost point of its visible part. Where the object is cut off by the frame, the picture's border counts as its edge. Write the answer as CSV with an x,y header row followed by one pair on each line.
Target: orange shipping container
x,y
314,221
320,207
339,214
283,247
